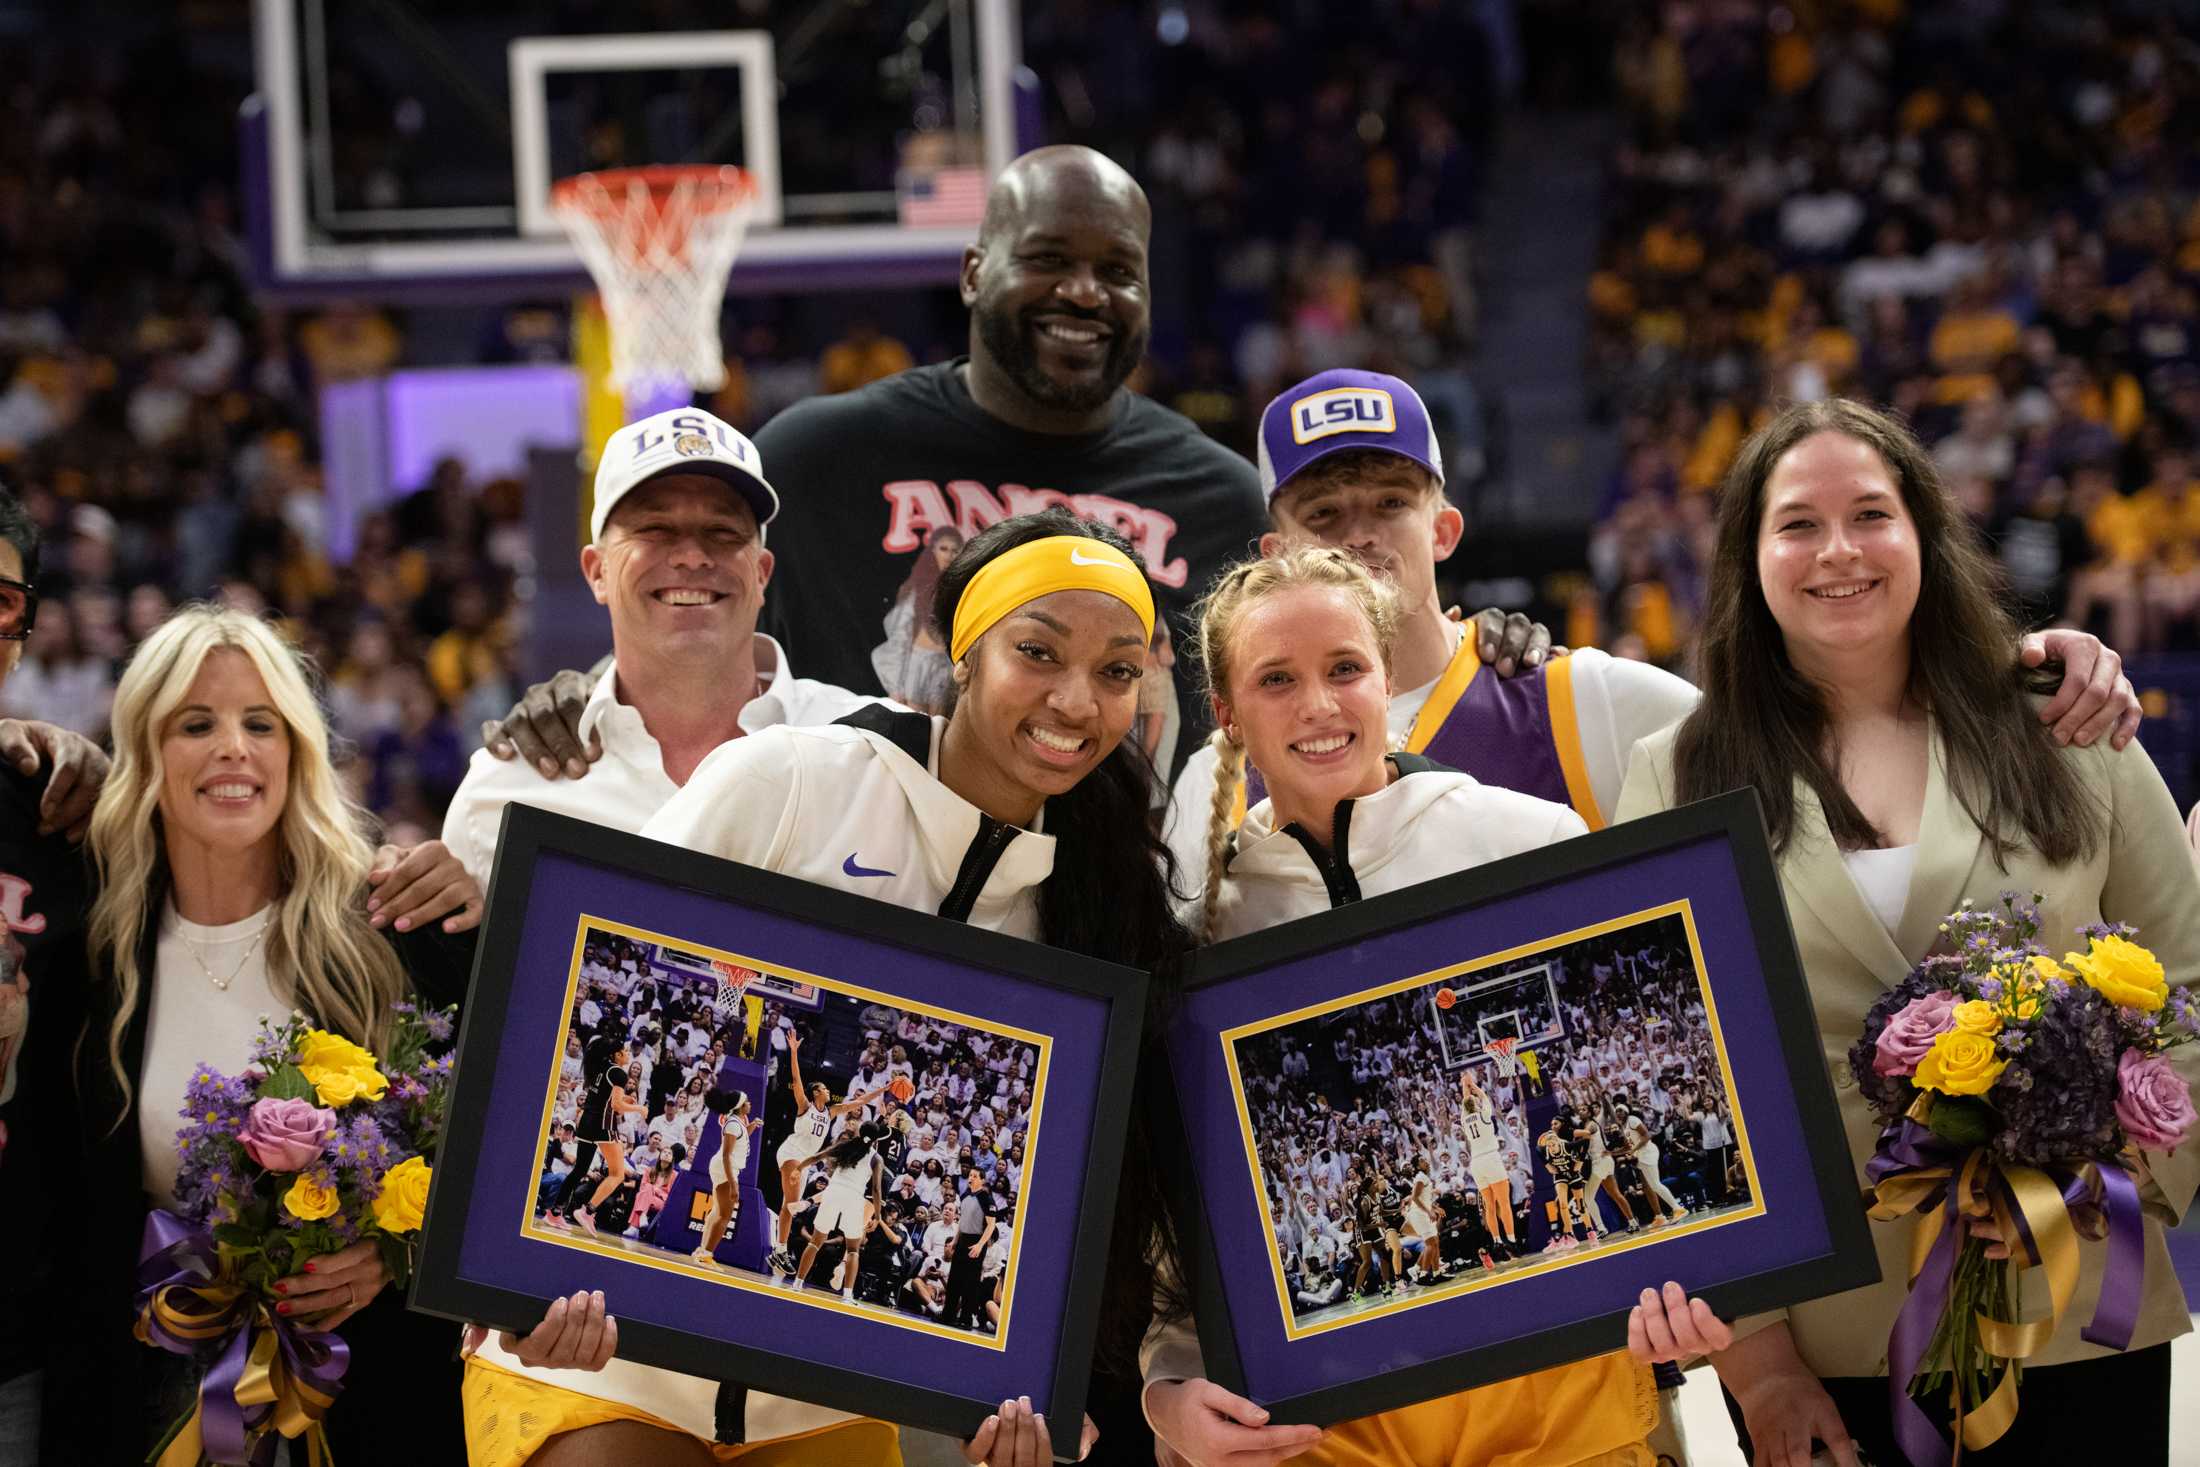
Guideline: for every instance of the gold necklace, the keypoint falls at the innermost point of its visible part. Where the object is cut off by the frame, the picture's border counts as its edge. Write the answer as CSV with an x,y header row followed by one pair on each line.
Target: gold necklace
x,y
221,983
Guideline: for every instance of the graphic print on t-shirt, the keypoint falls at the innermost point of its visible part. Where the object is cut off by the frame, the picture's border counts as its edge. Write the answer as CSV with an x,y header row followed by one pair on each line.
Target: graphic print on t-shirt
x,y
922,508
15,978
897,476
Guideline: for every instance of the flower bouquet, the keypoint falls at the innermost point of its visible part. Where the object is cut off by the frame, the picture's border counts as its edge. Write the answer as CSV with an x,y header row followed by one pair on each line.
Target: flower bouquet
x,y
317,1146
2021,1089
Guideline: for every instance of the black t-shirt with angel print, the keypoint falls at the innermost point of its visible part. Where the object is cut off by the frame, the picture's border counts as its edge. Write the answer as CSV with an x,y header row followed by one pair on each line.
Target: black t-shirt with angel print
x,y
880,486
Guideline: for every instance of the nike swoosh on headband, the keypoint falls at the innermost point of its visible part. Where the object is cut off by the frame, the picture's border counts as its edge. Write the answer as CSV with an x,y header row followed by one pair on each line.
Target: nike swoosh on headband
x,y
853,869
1076,559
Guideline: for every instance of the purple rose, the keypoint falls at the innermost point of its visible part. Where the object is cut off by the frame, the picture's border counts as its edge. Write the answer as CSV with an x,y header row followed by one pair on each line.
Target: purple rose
x,y
2153,1102
285,1135
1911,1032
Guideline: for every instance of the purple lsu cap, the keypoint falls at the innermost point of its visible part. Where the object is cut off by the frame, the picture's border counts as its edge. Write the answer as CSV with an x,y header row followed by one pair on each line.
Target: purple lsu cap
x,y
1338,410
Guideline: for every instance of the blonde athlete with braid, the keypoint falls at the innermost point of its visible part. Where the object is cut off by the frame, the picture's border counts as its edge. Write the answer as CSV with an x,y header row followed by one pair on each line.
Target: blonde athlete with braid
x,y
1485,1135
1297,652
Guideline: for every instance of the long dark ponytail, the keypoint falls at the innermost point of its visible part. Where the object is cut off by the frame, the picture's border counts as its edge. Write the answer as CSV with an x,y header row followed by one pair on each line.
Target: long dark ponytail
x,y
1110,896
598,1056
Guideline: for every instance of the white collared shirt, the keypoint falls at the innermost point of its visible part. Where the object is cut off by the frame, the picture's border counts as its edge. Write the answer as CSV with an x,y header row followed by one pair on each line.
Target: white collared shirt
x,y
628,784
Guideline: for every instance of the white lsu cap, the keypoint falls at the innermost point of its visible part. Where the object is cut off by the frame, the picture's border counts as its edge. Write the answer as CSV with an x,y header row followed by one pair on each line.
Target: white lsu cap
x,y
679,441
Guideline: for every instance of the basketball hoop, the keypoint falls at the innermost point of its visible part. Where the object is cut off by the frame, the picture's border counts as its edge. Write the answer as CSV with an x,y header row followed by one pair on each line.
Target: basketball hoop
x,y
659,242
1500,1052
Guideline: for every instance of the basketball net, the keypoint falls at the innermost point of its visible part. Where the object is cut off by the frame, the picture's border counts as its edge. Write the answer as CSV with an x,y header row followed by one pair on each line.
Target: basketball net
x,y
733,979
659,243
1500,1052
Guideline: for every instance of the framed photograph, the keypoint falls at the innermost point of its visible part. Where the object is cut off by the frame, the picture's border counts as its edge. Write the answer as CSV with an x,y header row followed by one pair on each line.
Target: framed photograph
x,y
1446,1135
625,1081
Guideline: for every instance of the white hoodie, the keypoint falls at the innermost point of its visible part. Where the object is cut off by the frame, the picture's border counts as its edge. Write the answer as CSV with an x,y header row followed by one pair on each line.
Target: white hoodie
x,y
851,805
1429,822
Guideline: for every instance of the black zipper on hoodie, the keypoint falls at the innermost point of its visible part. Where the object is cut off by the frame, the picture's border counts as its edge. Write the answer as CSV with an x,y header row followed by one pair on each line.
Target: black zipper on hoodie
x,y
986,849
1335,864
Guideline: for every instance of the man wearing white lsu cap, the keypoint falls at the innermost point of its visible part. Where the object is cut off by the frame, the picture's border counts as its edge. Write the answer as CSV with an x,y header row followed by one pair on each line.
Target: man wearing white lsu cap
x,y
677,556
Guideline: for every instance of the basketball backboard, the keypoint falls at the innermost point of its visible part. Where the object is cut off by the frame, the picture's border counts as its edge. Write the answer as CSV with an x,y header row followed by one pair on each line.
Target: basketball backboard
x,y
396,149
1521,1005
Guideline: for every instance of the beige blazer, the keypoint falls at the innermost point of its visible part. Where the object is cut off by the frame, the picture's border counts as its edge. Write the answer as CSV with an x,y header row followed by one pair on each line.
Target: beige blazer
x,y
2143,873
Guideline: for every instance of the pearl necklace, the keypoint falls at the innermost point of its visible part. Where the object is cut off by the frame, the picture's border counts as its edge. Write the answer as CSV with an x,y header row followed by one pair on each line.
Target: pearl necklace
x,y
219,982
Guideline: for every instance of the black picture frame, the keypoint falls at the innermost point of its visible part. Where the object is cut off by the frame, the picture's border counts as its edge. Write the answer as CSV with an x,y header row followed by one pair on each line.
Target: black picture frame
x,y
1248,1354
467,1236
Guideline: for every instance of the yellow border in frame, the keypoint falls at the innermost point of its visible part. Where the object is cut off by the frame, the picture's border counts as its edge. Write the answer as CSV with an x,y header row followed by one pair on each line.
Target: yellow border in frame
x,y
1228,1039
1043,1043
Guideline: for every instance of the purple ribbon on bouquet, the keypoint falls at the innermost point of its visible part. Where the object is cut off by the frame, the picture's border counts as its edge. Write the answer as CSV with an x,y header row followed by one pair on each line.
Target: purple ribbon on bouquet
x,y
2117,1315
186,1306
1908,1149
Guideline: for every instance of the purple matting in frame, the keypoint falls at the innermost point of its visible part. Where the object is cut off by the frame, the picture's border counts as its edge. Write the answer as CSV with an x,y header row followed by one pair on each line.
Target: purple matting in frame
x,y
509,1165
1790,1228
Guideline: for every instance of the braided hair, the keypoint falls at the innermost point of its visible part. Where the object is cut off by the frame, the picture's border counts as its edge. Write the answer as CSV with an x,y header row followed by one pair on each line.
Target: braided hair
x,y
1236,591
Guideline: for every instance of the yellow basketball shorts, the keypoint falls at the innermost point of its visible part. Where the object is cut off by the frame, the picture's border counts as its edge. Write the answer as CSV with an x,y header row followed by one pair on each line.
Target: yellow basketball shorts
x,y
509,1417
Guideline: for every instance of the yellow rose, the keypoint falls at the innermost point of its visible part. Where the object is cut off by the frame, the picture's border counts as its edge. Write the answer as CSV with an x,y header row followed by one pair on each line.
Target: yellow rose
x,y
309,1201
398,1207
2124,972
1960,1063
1977,1017
339,1071
2047,969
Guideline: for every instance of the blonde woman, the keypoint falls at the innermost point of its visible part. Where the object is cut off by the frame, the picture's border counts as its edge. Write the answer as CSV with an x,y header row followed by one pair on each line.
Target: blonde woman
x,y
233,882
1297,652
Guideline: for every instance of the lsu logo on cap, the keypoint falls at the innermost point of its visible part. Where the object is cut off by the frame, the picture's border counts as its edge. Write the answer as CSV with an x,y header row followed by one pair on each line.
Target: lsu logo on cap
x,y
691,445
1342,410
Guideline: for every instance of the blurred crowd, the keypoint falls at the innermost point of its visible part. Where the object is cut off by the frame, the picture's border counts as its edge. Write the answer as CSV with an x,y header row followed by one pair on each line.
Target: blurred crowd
x,y
1316,181
1316,172
1810,199
1982,215
160,425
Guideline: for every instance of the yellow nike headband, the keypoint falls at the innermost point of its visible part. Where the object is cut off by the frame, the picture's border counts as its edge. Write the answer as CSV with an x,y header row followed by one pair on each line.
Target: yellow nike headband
x,y
1040,568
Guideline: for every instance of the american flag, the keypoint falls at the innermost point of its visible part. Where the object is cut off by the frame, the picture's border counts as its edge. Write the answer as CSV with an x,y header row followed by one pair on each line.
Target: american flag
x,y
941,196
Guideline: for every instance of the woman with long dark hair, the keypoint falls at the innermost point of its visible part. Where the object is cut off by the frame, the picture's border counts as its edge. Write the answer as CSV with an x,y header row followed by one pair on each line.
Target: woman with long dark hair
x,y
1023,811
1857,671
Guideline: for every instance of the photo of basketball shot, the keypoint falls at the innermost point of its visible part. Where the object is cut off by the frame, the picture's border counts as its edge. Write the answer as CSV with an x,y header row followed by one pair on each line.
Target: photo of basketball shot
x,y
1445,1134
716,1118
